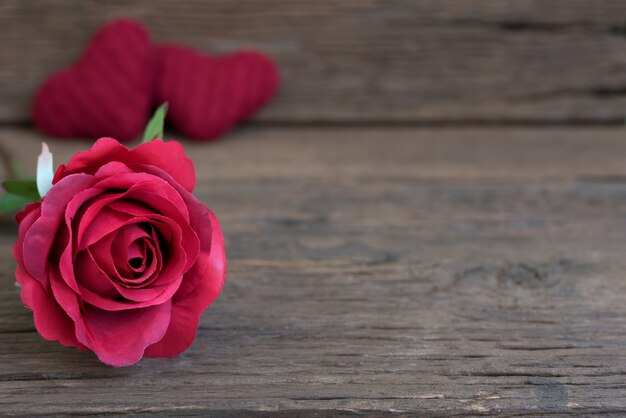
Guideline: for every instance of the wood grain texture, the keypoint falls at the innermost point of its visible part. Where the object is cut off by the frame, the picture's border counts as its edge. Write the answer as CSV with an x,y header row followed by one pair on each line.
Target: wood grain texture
x,y
445,61
455,273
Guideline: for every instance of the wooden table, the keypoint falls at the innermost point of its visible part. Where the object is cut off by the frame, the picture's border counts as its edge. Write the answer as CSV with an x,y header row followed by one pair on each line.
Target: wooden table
x,y
376,271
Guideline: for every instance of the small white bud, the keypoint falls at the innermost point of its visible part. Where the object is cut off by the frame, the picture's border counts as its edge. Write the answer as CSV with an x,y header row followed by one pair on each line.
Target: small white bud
x,y
45,173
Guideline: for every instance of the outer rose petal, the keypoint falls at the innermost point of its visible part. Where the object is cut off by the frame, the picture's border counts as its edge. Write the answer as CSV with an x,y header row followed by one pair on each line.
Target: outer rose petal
x,y
198,290
202,283
50,320
180,333
119,338
27,209
169,156
38,239
26,218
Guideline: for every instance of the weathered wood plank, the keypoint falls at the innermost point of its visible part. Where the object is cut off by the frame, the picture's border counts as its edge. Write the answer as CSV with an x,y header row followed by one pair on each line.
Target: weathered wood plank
x,y
454,273
365,60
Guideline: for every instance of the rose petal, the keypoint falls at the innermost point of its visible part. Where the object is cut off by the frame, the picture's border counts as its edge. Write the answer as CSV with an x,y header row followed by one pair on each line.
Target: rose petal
x,y
50,320
102,254
212,259
189,241
39,238
91,278
113,301
139,187
169,156
119,338
27,217
127,241
98,221
138,184
68,300
27,210
205,279
65,238
201,284
198,290
172,270
181,332
131,242
150,265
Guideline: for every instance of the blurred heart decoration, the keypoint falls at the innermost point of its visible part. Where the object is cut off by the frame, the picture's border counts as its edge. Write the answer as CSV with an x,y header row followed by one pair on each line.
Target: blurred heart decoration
x,y
208,95
121,77
108,91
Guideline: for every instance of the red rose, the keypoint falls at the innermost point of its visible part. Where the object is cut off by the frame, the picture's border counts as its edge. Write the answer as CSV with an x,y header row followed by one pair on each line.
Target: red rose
x,y
119,257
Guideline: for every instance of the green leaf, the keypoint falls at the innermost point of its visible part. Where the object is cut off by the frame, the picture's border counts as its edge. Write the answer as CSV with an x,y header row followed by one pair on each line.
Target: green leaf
x,y
154,128
10,202
23,188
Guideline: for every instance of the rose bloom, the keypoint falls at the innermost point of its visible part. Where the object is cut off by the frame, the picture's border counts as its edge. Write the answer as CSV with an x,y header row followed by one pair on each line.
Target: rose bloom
x,y
119,257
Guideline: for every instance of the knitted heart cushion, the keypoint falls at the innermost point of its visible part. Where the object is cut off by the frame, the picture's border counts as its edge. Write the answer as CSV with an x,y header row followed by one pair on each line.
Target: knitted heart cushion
x,y
108,91
208,95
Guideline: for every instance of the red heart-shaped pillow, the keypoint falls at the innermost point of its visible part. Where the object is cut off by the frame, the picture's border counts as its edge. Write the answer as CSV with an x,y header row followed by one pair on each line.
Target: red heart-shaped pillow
x,y
208,95
109,91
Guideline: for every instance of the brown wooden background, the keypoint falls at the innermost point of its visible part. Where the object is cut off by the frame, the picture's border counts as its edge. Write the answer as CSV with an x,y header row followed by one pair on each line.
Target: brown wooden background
x,y
431,61
406,235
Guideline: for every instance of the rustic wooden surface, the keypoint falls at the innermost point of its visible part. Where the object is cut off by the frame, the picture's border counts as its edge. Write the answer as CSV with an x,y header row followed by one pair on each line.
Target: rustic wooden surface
x,y
434,61
377,271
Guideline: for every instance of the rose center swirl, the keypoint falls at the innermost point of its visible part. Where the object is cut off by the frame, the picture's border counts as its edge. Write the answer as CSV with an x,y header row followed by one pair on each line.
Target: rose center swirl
x,y
136,256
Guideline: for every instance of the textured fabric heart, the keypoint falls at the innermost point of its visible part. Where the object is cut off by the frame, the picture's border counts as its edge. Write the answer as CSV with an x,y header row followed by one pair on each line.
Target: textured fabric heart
x,y
208,95
108,91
